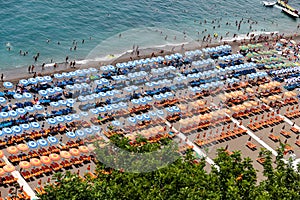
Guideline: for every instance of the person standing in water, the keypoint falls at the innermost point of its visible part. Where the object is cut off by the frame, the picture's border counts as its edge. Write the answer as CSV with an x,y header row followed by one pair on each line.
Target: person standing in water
x,y
2,77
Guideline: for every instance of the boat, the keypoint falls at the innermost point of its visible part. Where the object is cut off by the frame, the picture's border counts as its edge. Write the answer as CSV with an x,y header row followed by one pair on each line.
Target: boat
x,y
284,4
290,13
269,4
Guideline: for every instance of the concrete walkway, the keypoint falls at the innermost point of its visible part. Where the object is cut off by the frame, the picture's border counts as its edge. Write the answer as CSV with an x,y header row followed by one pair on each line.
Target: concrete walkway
x,y
21,181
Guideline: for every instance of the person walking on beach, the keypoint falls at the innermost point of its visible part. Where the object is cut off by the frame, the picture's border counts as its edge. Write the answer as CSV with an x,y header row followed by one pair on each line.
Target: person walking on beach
x,y
74,64
2,77
29,69
67,58
32,68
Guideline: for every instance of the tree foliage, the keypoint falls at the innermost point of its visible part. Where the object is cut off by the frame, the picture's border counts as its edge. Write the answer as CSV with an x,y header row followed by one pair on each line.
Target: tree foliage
x,y
184,179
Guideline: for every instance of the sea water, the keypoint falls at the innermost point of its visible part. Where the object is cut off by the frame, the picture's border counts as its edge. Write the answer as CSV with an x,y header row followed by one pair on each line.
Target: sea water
x,y
37,26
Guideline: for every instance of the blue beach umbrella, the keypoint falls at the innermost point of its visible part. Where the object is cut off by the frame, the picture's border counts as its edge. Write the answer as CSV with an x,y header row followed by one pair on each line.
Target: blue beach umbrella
x,y
54,104
32,81
40,79
51,121
35,125
116,123
139,117
115,106
146,116
70,87
2,100
122,104
23,82
58,76
71,135
95,128
59,119
7,131
38,107
101,109
29,109
160,112
4,115
12,113
75,116
175,108
21,111
47,78
43,93
68,118
94,111
16,129
42,142
1,133
108,107
32,144
80,133
71,101
18,96
169,109
132,120
52,140
8,85
88,131
27,95
25,126
50,91
84,114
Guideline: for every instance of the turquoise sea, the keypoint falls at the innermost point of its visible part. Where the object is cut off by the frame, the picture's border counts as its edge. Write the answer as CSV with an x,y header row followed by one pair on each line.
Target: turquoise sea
x,y
27,25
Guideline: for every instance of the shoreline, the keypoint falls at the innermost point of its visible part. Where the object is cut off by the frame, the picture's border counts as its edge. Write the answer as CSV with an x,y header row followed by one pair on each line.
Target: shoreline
x,y
15,74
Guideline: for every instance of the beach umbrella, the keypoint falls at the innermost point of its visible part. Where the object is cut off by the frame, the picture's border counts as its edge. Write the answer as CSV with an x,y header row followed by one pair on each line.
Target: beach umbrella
x,y
23,147
8,85
27,95
160,112
65,154
88,130
58,76
50,91
132,120
54,104
169,109
116,123
59,119
47,78
32,81
71,135
38,107
2,172
1,154
1,133
9,168
16,129
24,165
83,149
35,125
40,79
108,107
23,82
70,87
25,126
54,157
52,140
7,131
51,121
12,150
95,128
139,117
42,142
75,116
4,115
2,100
43,93
68,118
29,109
175,108
115,106
74,152
35,162
70,101
32,144
58,89
45,160
18,96
80,133
146,116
